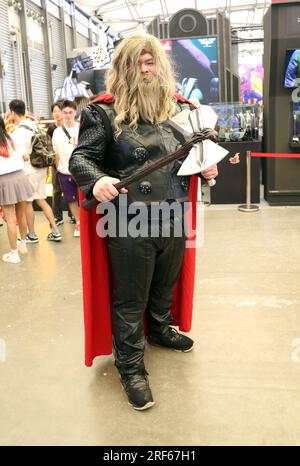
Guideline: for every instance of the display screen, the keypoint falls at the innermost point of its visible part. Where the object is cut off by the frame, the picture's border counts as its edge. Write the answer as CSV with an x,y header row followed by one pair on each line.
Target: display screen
x,y
296,122
292,68
196,66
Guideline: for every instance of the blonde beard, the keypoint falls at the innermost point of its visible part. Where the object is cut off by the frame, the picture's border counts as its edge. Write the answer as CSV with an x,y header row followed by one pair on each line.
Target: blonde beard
x,y
149,98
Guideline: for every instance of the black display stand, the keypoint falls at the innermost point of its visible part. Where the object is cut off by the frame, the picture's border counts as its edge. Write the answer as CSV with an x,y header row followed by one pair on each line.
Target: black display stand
x,y
281,33
231,181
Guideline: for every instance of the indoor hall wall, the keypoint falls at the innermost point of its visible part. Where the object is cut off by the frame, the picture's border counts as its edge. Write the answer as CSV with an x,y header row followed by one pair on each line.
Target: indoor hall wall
x,y
82,41
46,67
11,56
18,83
82,30
69,39
57,52
39,64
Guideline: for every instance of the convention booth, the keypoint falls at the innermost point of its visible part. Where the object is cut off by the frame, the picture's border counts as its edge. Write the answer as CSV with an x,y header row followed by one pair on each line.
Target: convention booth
x,y
281,102
205,64
207,68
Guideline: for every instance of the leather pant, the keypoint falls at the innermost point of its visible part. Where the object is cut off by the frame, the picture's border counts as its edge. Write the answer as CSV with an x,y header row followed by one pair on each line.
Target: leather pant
x,y
144,272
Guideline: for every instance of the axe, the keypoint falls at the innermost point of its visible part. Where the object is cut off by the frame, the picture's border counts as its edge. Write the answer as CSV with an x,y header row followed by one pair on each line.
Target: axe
x,y
183,151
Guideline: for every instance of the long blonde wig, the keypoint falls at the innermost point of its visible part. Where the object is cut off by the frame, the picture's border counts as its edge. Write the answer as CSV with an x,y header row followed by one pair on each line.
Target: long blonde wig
x,y
123,80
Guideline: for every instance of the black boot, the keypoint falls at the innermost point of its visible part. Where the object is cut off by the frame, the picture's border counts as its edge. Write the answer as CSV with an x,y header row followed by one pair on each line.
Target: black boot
x,y
138,390
170,338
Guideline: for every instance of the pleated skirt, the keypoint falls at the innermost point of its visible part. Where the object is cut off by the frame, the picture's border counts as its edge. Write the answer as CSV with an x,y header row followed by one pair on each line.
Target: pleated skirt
x,y
14,187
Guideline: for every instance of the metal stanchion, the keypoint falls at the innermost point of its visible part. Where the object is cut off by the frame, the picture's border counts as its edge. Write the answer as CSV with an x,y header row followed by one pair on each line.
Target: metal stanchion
x,y
248,207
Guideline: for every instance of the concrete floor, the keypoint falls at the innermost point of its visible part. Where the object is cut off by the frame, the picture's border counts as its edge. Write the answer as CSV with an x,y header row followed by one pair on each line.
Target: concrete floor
x,y
240,385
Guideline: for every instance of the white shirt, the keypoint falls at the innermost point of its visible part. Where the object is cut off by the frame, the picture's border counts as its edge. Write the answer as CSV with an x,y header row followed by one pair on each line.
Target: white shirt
x,y
22,139
12,163
63,147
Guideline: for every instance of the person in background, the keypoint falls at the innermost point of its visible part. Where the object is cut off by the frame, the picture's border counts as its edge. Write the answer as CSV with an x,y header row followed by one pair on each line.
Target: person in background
x,y
57,114
64,141
15,188
22,136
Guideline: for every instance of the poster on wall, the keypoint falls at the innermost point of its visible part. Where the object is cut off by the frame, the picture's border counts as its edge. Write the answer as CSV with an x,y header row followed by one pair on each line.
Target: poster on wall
x,y
251,79
196,66
292,68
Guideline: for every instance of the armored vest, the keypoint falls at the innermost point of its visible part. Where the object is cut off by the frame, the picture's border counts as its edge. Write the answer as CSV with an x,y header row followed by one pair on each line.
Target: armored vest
x,y
133,151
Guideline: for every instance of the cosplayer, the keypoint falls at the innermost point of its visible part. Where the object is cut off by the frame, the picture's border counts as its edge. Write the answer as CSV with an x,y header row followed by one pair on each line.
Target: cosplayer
x,y
130,280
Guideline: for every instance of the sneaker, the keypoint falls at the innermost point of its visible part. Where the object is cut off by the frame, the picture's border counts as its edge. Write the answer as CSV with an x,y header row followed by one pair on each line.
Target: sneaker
x,y
76,233
59,221
171,339
54,236
22,248
31,238
138,390
12,257
72,220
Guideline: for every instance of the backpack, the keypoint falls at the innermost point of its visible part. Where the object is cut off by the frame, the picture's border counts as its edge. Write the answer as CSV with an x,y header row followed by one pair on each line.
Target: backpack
x,y
42,154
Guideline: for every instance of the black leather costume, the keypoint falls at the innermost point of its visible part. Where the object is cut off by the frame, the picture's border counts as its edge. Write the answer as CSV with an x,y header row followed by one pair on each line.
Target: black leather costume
x,y
122,158
144,270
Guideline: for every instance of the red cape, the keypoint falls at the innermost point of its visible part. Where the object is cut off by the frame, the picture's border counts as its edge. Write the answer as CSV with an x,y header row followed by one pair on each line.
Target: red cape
x,y
96,277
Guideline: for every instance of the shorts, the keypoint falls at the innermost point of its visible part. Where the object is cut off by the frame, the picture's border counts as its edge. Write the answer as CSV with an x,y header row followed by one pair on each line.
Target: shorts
x,y
68,187
38,183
